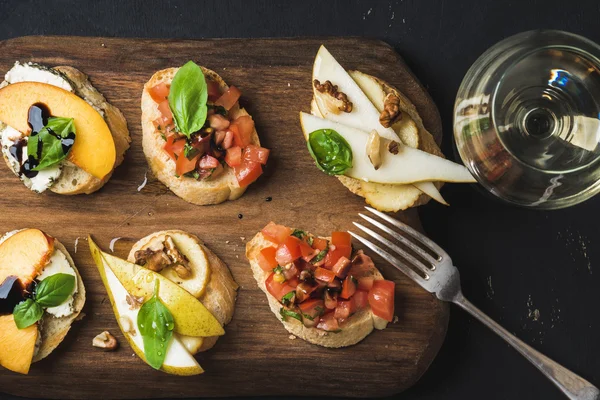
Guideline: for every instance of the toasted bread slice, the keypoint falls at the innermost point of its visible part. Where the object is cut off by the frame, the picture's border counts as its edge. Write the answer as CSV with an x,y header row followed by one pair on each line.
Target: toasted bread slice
x,y
412,132
355,329
53,330
210,191
220,290
73,180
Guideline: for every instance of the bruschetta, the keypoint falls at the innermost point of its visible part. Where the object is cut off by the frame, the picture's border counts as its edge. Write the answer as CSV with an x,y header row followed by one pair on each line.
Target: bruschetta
x,y
322,290
197,139
41,295
57,131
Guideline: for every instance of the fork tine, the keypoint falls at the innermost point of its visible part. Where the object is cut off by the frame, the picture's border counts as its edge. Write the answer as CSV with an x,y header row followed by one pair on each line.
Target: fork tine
x,y
412,232
392,260
416,263
402,239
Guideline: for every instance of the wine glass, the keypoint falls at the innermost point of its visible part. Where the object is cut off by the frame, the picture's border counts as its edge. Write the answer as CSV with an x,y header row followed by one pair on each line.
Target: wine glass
x,y
526,119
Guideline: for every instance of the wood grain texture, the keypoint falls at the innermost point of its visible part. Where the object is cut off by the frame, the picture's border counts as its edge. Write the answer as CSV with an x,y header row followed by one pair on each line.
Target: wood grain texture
x,y
256,356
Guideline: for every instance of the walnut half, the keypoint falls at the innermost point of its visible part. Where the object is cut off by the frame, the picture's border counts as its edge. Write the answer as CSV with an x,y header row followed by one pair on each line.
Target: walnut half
x,y
391,111
342,103
105,341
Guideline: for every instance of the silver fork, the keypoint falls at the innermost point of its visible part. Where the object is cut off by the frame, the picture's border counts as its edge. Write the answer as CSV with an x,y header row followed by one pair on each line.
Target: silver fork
x,y
439,276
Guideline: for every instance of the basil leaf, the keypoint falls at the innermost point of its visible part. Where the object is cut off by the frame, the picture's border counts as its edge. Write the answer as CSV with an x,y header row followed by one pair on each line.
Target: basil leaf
x,y
218,109
289,313
55,290
300,234
187,98
27,313
287,299
310,240
278,269
156,327
330,150
52,143
321,255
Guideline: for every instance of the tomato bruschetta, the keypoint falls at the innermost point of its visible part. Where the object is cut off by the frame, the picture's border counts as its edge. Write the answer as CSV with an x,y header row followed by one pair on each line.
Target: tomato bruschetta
x,y
197,139
323,291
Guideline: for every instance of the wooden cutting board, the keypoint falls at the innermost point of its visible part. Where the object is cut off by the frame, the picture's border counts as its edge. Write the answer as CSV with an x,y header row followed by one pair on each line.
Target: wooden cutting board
x,y
256,356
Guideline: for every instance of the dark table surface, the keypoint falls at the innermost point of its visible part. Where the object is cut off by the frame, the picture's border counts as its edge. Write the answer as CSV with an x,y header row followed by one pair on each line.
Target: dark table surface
x,y
514,263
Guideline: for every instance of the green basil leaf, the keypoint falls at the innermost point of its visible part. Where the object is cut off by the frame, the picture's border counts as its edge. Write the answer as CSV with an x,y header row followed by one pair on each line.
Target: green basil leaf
x,y
187,98
287,299
46,147
55,290
310,240
156,327
300,234
218,109
278,269
289,313
321,255
330,150
27,313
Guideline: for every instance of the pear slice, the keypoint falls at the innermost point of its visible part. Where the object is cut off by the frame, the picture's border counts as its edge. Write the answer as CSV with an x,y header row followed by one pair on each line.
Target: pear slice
x,y
190,316
178,360
407,166
364,115
430,190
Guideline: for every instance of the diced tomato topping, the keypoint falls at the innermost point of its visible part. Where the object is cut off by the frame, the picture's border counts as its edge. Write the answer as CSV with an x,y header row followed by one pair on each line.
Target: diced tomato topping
x,y
242,129
266,259
247,172
341,239
290,272
361,299
313,307
184,164
276,233
329,323
381,299
335,254
256,154
174,146
319,243
341,267
214,91
159,92
229,98
324,275
330,300
365,283
278,290
348,288
305,249
165,111
288,251
344,309
233,157
208,162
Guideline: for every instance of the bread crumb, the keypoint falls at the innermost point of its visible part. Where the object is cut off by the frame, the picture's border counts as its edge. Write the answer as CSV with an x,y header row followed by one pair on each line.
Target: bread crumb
x,y
395,319
289,84
103,45
292,337
236,256
227,242
133,355
242,238
80,316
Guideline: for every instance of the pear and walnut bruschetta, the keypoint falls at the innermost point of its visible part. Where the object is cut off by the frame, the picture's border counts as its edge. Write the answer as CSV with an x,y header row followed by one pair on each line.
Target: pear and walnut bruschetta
x,y
58,132
323,292
197,139
41,295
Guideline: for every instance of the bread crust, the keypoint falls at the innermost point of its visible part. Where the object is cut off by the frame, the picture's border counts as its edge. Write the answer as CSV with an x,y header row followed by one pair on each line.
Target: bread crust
x,y
54,330
221,290
355,329
211,191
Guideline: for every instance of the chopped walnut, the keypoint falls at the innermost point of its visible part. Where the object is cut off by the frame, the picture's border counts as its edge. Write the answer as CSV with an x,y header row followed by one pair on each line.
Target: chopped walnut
x,y
134,302
105,341
343,103
391,111
154,260
181,264
393,147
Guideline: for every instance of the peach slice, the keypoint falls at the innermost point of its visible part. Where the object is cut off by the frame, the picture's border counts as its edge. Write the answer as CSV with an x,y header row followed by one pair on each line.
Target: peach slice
x,y
94,148
25,254
16,345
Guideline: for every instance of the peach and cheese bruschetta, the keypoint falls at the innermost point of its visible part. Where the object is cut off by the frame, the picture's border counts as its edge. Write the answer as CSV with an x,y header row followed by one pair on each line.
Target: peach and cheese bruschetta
x,y
57,131
41,295
322,291
197,139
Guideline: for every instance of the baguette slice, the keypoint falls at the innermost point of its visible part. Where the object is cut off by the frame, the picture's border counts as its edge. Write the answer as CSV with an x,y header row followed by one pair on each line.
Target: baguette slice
x,y
220,292
210,191
355,329
73,180
412,132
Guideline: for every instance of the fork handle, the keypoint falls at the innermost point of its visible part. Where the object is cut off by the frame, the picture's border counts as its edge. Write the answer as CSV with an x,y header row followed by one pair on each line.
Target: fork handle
x,y
572,385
